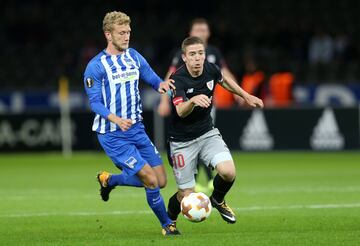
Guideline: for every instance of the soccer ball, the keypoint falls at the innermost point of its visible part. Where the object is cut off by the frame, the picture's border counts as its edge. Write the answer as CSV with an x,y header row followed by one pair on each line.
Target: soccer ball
x,y
196,207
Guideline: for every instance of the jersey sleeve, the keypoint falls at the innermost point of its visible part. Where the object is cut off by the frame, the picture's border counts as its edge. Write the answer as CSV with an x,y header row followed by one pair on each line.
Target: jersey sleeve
x,y
178,94
146,72
93,88
217,73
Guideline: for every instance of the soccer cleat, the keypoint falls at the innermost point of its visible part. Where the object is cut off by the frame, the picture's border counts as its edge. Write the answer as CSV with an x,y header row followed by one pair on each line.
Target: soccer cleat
x,y
105,189
225,211
170,230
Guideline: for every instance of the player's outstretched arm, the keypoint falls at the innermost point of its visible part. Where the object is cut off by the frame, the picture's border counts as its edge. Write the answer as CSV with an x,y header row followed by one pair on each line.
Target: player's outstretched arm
x,y
231,85
225,71
166,85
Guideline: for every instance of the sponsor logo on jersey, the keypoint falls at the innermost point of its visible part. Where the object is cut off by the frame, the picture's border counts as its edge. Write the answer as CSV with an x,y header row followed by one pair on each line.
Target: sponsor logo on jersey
x,y
210,84
190,90
326,134
123,77
256,135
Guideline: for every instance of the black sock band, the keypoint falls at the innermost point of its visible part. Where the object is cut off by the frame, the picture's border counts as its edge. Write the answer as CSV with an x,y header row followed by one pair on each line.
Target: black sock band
x,y
174,207
221,187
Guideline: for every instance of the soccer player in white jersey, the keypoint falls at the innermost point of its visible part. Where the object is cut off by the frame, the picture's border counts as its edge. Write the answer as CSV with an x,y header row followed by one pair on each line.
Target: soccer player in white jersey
x,y
111,82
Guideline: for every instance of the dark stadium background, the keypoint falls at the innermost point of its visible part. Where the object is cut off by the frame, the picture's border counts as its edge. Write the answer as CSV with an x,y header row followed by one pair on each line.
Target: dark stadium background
x,y
42,40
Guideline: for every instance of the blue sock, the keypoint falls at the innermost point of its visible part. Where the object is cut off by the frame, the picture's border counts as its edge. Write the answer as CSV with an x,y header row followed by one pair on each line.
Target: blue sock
x,y
156,203
124,180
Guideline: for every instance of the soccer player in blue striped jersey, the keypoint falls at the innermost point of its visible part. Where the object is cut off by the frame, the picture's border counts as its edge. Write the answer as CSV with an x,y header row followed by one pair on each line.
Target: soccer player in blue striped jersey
x,y
111,82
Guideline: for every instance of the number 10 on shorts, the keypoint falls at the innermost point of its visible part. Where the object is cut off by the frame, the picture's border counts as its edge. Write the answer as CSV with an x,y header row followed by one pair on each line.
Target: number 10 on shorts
x,y
178,161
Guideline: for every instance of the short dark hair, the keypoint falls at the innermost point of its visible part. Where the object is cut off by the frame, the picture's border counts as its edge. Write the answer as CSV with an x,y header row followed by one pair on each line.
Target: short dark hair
x,y
190,41
198,21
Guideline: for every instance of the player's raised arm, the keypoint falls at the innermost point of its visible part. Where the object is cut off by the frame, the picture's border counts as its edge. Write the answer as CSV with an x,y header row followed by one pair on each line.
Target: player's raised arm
x,y
230,84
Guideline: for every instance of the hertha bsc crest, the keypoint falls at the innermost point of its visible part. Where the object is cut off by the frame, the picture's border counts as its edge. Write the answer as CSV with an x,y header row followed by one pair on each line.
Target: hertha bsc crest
x,y
210,84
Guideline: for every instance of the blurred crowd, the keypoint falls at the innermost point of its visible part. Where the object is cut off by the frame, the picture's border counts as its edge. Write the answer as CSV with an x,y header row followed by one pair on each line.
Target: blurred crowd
x,y
310,41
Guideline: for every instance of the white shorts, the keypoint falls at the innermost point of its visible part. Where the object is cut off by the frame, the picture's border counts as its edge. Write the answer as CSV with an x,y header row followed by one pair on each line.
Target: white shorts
x,y
209,148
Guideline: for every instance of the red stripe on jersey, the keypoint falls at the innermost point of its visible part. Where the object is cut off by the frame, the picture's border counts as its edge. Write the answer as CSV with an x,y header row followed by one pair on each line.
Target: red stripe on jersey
x,y
177,100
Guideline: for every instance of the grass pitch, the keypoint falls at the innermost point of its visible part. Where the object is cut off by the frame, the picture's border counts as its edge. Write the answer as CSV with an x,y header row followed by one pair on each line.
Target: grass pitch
x,y
283,198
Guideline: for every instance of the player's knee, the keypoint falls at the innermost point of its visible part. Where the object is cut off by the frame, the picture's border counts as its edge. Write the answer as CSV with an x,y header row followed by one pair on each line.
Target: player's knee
x,y
148,177
228,176
151,182
162,183
227,170
161,176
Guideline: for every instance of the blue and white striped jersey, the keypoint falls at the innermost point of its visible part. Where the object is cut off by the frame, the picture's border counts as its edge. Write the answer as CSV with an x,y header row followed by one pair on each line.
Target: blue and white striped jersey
x,y
112,85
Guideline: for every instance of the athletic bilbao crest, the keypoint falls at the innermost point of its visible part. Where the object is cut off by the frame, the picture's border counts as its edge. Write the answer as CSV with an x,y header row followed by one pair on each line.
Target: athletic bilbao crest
x,y
210,84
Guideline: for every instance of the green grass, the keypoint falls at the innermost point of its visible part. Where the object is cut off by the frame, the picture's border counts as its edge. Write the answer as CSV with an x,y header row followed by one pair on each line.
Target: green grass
x,y
295,198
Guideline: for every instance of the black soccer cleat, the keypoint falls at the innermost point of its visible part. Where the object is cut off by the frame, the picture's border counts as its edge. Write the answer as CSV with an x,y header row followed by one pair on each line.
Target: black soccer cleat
x,y
225,211
105,189
170,230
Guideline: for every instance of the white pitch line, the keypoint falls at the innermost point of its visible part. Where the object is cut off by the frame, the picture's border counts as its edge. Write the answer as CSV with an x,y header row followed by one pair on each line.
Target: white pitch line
x,y
68,196
252,191
132,212
309,206
255,191
46,214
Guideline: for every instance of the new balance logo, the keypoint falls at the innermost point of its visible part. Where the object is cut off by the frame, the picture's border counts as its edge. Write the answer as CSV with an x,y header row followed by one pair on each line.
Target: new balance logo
x,y
326,134
256,135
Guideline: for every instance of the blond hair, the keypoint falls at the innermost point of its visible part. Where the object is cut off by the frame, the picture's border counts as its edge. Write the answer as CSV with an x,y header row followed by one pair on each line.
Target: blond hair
x,y
115,17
